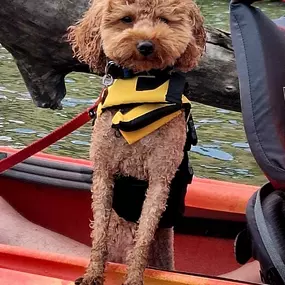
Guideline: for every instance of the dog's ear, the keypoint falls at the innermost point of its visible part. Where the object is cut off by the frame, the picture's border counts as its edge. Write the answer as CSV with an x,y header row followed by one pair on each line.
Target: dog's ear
x,y
197,43
85,37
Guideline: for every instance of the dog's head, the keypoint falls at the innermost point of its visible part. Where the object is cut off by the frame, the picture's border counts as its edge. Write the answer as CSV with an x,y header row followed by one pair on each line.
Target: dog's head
x,y
140,34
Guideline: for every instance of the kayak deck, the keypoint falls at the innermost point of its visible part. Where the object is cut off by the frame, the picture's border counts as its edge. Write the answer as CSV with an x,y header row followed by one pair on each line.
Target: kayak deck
x,y
17,278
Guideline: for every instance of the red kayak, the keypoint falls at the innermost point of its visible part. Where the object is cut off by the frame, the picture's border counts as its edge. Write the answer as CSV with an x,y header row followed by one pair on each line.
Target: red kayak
x,y
54,192
20,266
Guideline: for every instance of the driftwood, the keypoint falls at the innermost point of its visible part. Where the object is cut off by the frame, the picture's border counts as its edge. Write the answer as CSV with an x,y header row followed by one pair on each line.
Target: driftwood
x,y
215,82
33,32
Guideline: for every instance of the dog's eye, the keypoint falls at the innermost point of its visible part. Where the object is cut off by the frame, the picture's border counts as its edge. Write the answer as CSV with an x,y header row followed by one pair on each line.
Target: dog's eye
x,y
164,20
127,19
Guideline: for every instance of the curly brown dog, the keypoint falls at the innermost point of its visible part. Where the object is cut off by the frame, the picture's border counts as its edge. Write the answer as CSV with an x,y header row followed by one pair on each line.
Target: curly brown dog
x,y
140,35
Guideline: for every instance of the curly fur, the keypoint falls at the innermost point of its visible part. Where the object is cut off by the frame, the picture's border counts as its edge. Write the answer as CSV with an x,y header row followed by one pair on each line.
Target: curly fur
x,y
175,27
100,33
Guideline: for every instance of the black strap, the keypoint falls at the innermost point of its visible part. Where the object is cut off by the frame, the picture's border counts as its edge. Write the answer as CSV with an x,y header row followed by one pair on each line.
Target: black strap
x,y
119,72
192,137
176,87
265,234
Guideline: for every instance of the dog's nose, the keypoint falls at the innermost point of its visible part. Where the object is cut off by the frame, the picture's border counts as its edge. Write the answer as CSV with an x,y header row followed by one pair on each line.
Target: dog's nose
x,y
145,47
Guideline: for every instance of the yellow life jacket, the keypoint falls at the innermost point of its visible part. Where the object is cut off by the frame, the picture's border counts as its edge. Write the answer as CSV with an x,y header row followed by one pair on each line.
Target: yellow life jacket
x,y
145,104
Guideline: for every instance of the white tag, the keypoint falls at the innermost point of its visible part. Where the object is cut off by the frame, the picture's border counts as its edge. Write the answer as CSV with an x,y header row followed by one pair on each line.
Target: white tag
x,y
284,92
107,80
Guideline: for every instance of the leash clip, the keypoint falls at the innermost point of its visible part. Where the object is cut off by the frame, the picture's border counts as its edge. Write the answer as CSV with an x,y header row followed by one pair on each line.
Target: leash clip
x,y
108,79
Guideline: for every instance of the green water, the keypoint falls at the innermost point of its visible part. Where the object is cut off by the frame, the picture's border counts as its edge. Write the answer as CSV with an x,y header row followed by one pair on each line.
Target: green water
x,y
222,152
216,12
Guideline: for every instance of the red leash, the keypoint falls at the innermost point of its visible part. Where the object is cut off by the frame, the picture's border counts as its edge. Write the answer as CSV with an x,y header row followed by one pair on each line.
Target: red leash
x,y
51,138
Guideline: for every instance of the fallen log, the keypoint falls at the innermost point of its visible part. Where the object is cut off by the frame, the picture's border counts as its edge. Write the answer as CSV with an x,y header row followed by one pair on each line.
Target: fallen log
x,y
215,82
33,32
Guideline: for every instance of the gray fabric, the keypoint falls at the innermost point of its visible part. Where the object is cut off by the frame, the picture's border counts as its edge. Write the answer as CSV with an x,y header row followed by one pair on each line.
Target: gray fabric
x,y
41,171
62,183
266,238
260,57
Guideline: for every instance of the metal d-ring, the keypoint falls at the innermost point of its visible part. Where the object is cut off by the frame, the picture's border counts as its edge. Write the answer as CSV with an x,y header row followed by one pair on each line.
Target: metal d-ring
x,y
108,79
108,65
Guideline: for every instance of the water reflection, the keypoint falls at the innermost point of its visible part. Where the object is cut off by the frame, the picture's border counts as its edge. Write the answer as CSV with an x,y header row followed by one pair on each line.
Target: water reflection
x,y
213,152
222,152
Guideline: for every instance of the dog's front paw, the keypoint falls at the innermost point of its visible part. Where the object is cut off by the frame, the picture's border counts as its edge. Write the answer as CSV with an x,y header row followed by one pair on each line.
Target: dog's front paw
x,y
89,280
79,281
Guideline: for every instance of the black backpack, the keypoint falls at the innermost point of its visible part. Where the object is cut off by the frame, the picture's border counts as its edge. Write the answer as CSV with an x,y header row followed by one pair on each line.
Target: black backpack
x,y
259,46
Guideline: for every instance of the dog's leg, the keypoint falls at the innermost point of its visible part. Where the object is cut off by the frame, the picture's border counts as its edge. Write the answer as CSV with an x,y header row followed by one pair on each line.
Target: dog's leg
x,y
121,235
153,208
161,254
102,192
